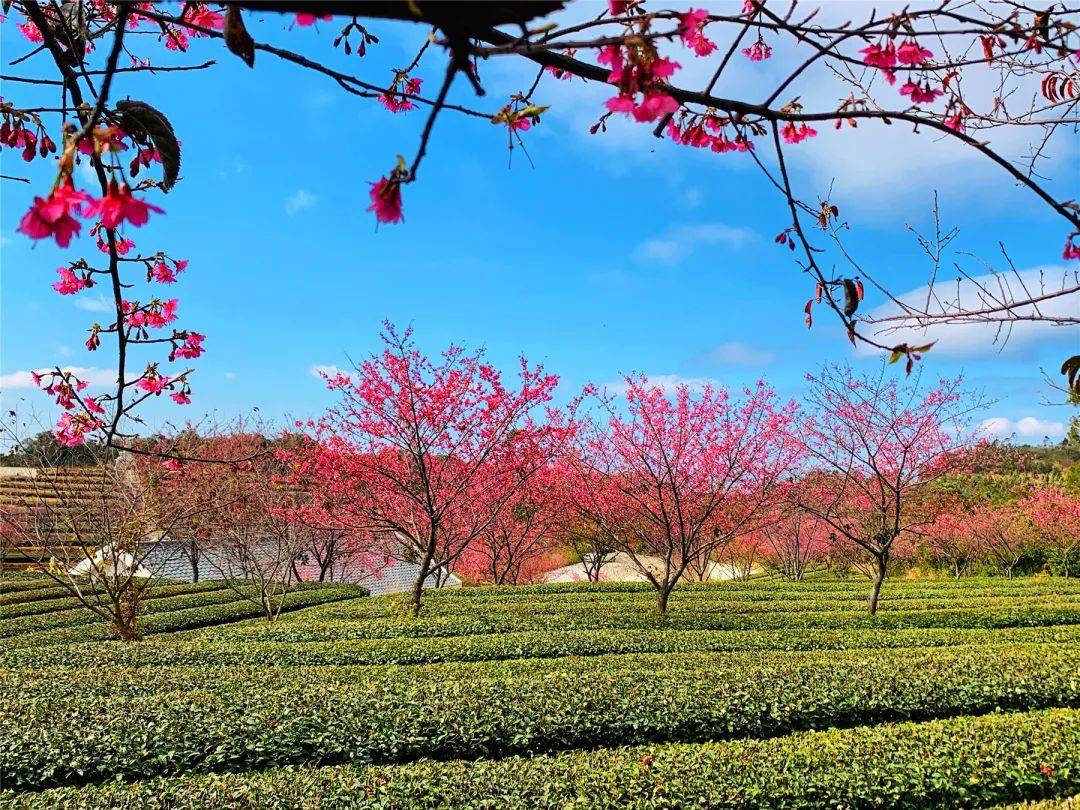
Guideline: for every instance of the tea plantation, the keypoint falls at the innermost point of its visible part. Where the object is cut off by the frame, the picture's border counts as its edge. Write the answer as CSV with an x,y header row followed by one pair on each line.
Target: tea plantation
x,y
759,694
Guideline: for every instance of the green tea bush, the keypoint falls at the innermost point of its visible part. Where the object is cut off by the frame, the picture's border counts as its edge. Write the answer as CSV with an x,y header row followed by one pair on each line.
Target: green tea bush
x,y
144,722
959,762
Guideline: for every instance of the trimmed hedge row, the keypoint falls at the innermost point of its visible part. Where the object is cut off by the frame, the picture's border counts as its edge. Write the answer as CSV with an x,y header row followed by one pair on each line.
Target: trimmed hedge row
x,y
199,647
733,605
758,589
139,722
965,761
185,619
60,598
339,624
80,615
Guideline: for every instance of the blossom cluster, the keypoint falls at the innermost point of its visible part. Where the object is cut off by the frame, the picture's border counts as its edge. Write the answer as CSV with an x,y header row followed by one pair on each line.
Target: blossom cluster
x,y
638,70
707,132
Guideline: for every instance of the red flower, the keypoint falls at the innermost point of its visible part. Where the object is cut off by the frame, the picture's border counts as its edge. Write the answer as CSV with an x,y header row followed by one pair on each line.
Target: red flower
x,y
911,53
51,216
153,383
1072,248
386,200
305,20
955,122
758,52
71,429
191,348
70,283
180,398
876,56
792,135
118,205
691,30
924,94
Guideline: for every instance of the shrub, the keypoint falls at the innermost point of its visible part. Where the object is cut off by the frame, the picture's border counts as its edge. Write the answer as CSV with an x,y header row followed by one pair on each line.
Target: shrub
x,y
964,761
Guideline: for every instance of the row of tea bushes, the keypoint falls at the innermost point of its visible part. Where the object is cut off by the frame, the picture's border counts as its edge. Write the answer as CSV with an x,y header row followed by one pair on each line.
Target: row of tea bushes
x,y
358,622
57,597
145,722
193,649
207,612
958,762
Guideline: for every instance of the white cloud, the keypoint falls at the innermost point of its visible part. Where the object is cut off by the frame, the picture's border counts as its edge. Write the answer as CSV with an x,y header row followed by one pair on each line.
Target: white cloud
x,y
229,375
734,353
677,243
299,200
64,351
1028,427
318,371
975,339
94,303
875,166
96,377
668,383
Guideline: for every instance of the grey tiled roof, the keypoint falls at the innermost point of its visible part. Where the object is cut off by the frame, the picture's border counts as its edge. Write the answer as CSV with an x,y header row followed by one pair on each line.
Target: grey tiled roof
x,y
393,577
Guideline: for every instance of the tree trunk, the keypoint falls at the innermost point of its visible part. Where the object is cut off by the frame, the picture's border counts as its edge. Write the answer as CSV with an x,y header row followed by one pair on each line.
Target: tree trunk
x,y
127,611
662,598
418,586
879,578
193,555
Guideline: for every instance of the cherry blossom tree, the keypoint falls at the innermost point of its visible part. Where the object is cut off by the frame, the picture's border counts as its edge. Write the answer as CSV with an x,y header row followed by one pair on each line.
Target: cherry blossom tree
x,y
794,539
431,454
587,542
877,447
947,75
1055,515
1005,535
676,476
93,530
523,536
951,541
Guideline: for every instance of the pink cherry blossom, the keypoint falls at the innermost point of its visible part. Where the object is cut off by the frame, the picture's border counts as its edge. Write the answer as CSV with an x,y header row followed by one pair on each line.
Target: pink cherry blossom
x,y
180,398
31,32
70,283
71,429
1072,247
118,205
876,56
691,30
153,383
191,348
306,20
791,134
758,52
911,53
955,122
123,246
920,94
51,216
386,200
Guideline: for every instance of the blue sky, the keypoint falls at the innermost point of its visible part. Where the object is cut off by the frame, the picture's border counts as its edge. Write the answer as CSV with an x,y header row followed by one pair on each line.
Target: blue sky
x,y
613,253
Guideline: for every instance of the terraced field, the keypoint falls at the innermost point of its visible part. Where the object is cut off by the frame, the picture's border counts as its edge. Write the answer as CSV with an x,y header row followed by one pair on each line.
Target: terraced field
x,y
761,694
